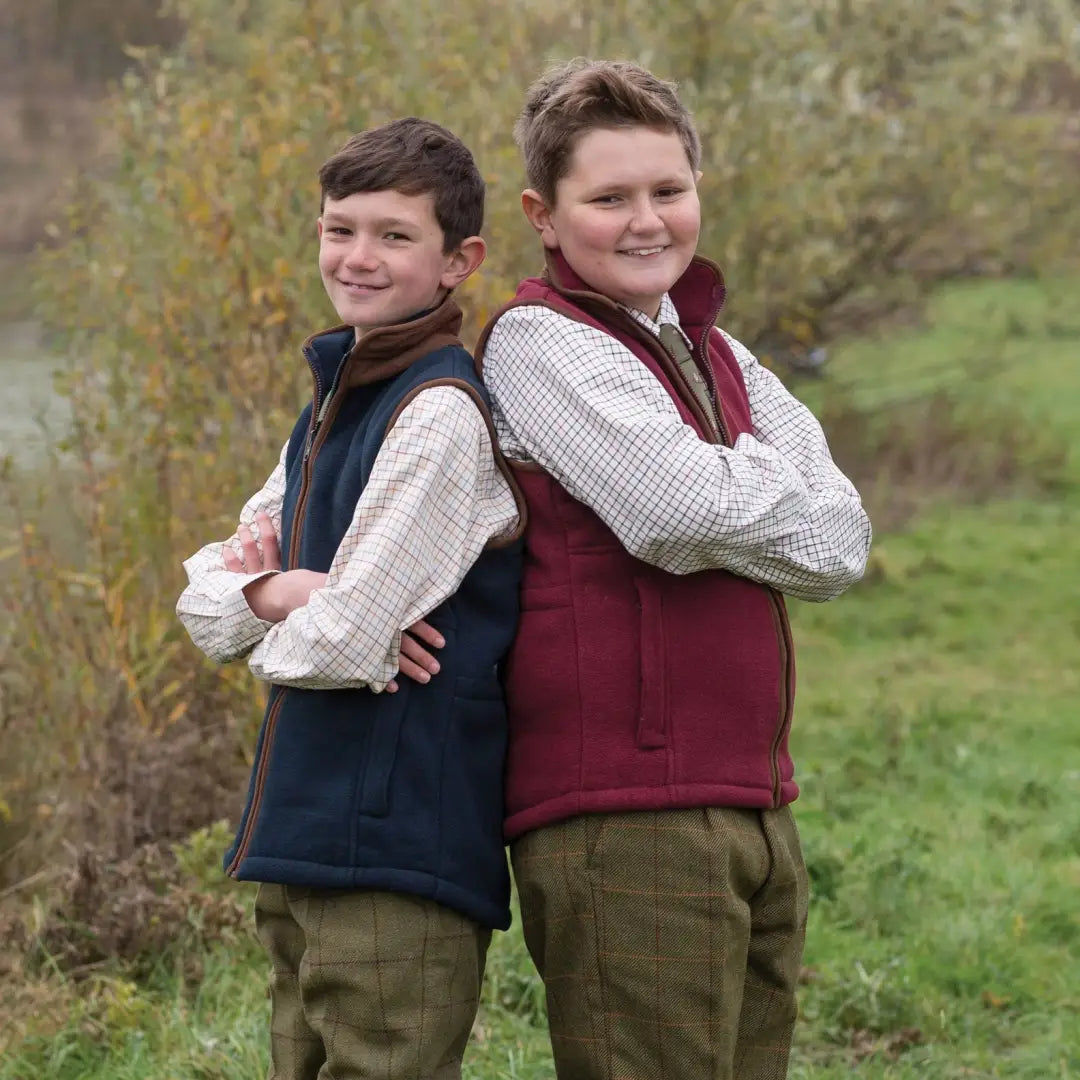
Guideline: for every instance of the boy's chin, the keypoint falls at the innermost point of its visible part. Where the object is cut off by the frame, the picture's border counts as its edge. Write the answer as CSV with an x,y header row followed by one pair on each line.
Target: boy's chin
x,y
363,320
653,279
644,295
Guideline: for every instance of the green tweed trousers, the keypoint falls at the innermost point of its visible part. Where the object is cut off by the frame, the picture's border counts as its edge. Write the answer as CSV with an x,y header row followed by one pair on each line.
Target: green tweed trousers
x,y
368,984
669,942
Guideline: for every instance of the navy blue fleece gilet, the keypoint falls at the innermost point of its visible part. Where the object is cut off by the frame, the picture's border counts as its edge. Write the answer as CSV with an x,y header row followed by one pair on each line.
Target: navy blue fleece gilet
x,y
397,792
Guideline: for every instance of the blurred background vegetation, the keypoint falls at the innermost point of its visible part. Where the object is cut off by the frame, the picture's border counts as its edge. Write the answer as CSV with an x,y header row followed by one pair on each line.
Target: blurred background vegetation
x,y
859,157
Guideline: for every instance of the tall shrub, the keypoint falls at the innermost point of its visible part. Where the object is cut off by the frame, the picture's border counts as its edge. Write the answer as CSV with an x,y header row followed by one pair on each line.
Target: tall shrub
x,y
849,145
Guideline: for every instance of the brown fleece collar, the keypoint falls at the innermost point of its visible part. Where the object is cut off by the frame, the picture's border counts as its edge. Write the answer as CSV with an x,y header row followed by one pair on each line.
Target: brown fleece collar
x,y
387,351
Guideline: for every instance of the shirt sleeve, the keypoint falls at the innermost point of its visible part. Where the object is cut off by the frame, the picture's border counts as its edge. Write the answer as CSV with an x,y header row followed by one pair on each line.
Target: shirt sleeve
x,y
583,407
213,607
825,550
434,500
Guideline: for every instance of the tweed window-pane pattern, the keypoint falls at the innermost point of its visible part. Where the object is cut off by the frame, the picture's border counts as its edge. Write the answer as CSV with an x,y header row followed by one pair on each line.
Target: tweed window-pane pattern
x,y
368,983
774,508
669,941
434,500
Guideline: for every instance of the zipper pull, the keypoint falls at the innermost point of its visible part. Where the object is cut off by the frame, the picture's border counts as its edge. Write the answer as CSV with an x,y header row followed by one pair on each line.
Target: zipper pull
x,y
314,429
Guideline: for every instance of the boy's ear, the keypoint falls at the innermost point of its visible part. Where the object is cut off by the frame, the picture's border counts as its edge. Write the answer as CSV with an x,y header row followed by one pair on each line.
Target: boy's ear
x,y
698,174
539,215
318,226
461,262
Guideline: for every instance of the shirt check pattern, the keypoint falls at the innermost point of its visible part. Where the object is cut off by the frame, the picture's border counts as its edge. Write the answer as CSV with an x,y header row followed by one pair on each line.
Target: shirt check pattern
x,y
434,500
774,508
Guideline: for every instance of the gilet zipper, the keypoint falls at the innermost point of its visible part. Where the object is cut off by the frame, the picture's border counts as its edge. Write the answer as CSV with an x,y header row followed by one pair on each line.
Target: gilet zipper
x,y
320,421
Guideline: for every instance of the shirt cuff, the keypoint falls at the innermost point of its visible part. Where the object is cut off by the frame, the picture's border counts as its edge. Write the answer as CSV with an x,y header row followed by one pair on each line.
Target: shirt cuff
x,y
238,622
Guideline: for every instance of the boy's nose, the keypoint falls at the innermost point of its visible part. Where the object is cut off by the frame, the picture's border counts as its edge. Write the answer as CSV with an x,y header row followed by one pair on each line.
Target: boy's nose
x,y
645,218
361,256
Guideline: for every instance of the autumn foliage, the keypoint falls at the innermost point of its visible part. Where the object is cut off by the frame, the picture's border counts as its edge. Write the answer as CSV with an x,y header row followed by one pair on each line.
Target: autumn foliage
x,y
854,150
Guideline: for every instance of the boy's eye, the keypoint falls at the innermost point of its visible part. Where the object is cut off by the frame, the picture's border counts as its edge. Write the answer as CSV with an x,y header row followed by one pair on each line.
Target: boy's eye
x,y
606,200
396,236
338,230
668,192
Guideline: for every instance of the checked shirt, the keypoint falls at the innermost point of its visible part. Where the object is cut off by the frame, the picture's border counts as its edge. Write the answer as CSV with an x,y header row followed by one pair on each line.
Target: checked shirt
x,y
773,508
435,498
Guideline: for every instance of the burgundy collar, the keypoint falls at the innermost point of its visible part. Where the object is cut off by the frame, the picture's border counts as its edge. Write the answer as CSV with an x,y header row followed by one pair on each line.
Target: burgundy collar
x,y
698,295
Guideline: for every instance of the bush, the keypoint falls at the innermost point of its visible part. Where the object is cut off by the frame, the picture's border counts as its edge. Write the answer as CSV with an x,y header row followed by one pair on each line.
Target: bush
x,y
133,911
845,144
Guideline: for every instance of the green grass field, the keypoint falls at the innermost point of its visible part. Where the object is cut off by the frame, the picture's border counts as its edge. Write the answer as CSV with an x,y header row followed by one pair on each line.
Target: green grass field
x,y
937,739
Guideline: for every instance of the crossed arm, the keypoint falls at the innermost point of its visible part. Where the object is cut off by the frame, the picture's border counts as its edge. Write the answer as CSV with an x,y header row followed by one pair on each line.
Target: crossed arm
x,y
773,508
435,498
275,593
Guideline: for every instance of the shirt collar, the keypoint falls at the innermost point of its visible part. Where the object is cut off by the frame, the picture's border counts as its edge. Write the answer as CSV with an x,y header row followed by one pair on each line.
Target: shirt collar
x,y
666,314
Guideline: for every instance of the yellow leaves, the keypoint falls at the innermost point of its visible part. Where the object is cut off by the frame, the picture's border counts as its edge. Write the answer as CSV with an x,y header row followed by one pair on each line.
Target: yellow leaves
x,y
176,713
799,330
274,157
184,272
270,296
83,581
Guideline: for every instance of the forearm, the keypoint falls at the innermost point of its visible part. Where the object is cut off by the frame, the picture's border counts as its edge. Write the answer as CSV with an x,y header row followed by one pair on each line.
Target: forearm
x,y
825,551
213,607
580,405
822,556
710,508
434,499
317,647
214,611
671,499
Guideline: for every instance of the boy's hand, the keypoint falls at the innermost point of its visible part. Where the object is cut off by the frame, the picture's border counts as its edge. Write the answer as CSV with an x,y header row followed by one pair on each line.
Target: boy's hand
x,y
416,662
254,561
273,598
270,598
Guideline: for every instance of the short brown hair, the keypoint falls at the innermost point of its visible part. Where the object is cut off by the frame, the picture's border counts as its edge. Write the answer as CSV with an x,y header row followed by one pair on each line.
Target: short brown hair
x,y
413,157
576,97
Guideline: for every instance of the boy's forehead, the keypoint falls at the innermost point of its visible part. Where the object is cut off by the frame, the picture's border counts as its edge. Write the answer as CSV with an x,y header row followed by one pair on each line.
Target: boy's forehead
x,y
626,152
386,205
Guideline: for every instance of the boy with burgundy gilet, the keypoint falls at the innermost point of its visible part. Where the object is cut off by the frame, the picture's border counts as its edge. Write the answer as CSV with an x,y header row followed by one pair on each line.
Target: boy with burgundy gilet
x,y
374,811
675,490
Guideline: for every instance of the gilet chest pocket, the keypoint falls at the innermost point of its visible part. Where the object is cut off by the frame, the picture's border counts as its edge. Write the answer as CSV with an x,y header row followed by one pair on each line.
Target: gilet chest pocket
x,y
652,708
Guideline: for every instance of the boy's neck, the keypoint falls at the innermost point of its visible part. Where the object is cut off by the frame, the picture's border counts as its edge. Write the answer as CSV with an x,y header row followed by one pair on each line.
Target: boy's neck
x,y
361,332
380,352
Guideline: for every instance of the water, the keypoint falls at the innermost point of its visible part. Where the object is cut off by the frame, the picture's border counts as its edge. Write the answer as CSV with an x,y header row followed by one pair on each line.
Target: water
x,y
32,415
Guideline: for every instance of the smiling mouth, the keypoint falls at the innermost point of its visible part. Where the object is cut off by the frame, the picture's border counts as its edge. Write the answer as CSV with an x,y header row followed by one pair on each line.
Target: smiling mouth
x,y
359,287
640,253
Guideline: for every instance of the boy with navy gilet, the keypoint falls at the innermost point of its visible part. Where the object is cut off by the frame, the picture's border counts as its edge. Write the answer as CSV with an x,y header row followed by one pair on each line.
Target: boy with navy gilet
x,y
388,531
675,491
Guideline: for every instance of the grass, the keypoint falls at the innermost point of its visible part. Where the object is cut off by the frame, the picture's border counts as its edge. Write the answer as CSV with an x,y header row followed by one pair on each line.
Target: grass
x,y
938,745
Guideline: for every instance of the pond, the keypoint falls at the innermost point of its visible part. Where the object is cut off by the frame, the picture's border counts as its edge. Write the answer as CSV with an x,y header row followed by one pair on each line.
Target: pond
x,y
31,413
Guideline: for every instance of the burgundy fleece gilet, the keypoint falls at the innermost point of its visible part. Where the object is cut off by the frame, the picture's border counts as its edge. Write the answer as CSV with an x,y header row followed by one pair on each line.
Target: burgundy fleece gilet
x,y
628,687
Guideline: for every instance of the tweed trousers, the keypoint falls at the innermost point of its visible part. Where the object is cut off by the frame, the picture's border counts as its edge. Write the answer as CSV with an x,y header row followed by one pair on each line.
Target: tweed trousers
x,y
669,941
368,984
